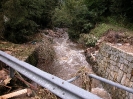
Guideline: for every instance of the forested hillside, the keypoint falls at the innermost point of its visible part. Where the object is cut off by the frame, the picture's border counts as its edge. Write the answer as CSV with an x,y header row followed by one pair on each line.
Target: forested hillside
x,y
22,18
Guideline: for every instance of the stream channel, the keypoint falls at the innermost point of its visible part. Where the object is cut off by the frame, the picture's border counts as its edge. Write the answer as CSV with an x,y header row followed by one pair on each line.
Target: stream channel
x,y
69,60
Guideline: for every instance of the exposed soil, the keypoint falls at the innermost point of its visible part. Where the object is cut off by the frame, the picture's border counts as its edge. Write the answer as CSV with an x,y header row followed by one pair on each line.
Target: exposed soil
x,y
119,39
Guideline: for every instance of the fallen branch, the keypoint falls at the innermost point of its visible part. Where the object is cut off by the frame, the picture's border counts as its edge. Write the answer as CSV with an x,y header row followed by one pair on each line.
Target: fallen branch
x,y
26,83
13,94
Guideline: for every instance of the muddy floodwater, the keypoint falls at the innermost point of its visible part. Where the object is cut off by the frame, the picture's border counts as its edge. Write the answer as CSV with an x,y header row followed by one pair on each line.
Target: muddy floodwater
x,y
69,60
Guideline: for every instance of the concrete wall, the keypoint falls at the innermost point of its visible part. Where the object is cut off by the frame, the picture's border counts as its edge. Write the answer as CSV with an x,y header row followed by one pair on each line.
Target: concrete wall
x,y
116,65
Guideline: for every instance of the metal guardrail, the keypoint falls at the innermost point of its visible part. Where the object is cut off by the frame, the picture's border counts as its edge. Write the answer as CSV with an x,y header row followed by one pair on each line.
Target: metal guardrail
x,y
72,79
105,81
60,87
111,83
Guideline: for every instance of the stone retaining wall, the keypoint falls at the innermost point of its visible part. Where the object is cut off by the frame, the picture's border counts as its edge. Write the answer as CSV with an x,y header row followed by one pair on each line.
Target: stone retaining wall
x,y
116,65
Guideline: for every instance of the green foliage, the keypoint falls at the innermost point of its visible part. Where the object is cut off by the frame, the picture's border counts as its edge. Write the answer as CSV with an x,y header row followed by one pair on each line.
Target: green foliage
x,y
73,34
32,59
20,23
73,14
88,40
25,17
62,17
119,21
46,19
101,29
121,8
79,15
97,7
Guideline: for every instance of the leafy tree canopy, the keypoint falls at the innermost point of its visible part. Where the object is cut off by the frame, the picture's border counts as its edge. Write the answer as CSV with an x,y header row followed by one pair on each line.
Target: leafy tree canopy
x,y
24,17
82,15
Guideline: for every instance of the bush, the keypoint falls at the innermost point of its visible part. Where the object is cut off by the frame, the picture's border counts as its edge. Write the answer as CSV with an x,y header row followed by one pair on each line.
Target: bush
x,y
45,53
88,40
32,59
61,17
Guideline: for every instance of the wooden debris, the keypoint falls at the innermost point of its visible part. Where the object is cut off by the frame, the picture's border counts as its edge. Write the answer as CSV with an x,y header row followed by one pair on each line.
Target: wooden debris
x,y
14,94
4,78
24,81
86,81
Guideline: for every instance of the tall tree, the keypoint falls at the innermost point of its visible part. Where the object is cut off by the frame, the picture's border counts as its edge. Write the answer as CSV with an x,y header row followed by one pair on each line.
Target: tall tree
x,y
25,16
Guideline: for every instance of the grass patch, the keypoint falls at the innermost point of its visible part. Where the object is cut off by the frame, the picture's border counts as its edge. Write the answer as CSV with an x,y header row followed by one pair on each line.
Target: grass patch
x,y
102,28
95,34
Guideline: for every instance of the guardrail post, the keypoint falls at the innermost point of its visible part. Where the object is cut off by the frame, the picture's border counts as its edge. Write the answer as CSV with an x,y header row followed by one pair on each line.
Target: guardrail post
x,y
12,71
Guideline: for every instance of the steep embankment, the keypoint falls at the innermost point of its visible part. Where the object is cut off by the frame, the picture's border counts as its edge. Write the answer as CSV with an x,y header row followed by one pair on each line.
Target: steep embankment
x,y
39,46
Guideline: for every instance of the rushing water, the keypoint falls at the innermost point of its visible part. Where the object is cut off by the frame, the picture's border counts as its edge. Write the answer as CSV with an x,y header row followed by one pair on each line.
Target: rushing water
x,y
69,59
